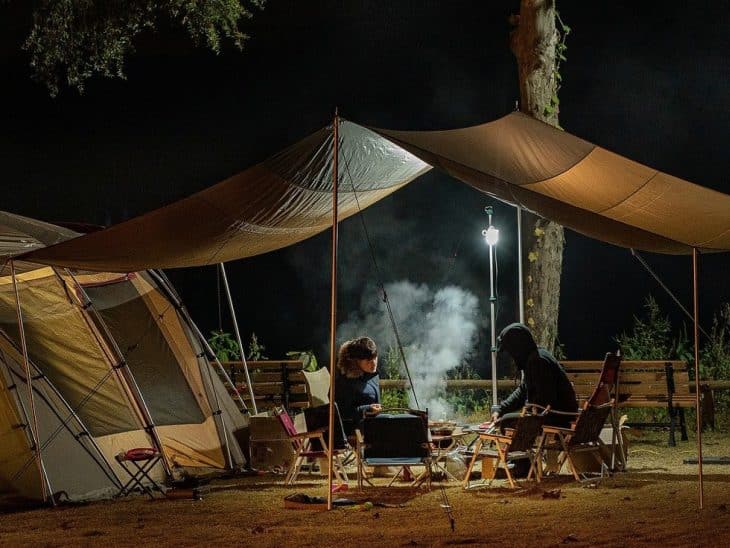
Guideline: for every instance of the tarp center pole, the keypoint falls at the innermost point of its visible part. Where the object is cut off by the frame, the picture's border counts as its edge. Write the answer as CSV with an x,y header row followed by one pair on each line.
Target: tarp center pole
x,y
46,495
238,337
698,410
333,308
520,282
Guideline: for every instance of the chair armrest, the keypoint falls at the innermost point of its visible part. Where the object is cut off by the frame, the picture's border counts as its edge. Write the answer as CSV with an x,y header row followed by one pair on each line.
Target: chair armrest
x,y
564,413
495,437
307,435
557,430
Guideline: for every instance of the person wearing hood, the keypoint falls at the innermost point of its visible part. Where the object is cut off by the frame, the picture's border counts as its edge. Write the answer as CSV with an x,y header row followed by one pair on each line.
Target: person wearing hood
x,y
544,381
357,386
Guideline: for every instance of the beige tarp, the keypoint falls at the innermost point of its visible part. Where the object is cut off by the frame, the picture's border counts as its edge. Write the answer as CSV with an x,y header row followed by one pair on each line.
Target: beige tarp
x,y
584,187
516,159
277,203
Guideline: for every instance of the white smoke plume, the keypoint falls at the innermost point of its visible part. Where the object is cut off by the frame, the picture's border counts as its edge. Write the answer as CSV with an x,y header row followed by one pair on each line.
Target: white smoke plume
x,y
437,328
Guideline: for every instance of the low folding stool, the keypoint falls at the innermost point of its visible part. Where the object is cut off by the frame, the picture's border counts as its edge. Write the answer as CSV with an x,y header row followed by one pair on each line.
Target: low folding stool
x,y
138,463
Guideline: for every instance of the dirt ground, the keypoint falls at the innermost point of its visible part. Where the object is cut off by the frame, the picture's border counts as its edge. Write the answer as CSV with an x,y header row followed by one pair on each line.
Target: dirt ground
x,y
654,503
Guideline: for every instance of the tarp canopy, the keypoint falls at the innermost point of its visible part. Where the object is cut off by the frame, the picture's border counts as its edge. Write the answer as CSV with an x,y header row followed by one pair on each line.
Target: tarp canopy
x,y
274,204
517,159
563,178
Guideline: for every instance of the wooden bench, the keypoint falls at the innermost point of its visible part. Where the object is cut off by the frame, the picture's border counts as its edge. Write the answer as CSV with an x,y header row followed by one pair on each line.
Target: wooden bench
x,y
275,383
642,384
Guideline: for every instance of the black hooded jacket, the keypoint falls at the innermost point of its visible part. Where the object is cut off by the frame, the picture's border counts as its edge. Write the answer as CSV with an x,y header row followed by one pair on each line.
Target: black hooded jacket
x,y
545,382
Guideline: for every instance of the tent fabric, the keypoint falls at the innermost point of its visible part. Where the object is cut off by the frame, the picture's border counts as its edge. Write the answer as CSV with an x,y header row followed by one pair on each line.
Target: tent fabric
x,y
277,203
516,159
81,328
61,344
589,189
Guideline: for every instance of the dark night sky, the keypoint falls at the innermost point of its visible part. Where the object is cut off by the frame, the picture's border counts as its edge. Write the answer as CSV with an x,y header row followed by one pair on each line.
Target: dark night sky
x,y
646,80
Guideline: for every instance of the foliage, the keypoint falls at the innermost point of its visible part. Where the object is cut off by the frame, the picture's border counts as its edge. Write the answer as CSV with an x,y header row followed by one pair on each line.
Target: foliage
x,y
715,357
307,357
224,345
390,368
467,401
71,40
561,48
255,349
650,338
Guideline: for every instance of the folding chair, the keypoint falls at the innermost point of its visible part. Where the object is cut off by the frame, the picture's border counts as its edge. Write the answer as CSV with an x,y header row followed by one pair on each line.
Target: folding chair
x,y
515,443
607,391
584,435
138,463
303,449
397,440
316,418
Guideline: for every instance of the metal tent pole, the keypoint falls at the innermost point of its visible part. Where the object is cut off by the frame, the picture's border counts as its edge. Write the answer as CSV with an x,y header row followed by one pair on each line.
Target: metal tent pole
x,y
333,308
164,283
520,282
177,304
238,337
46,491
84,433
698,410
123,367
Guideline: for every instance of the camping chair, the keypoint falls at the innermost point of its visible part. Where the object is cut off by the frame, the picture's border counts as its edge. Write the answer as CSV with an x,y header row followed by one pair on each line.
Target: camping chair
x,y
606,389
398,440
584,435
515,443
303,448
139,474
316,418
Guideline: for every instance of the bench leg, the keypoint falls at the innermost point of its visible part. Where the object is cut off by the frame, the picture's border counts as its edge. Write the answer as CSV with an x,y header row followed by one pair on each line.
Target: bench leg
x,y
672,420
683,424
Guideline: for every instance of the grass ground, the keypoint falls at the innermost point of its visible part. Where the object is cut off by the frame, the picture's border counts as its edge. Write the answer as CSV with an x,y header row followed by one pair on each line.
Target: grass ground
x,y
653,503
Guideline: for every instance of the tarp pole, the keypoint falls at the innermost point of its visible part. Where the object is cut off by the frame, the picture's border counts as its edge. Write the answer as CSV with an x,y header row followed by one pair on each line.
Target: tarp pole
x,y
238,337
46,492
333,309
520,282
698,410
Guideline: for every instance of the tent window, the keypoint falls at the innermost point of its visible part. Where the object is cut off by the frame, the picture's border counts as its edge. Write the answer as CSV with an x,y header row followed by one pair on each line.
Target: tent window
x,y
134,327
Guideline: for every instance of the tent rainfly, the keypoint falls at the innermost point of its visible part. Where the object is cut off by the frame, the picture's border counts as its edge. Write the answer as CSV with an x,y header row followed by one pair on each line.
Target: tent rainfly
x,y
113,364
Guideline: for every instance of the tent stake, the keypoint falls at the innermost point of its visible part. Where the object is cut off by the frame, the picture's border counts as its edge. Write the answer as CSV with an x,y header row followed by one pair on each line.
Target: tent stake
x,y
698,410
333,308
46,492
238,337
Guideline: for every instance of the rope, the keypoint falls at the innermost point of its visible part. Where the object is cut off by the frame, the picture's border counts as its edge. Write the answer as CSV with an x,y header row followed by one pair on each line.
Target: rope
x,y
379,277
446,506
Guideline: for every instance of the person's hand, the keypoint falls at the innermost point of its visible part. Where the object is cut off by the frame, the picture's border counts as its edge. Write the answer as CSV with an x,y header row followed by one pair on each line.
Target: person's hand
x,y
375,408
495,416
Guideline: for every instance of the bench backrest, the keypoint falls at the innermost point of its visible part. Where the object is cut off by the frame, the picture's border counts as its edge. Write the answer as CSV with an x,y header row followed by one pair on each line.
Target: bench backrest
x,y
638,380
275,383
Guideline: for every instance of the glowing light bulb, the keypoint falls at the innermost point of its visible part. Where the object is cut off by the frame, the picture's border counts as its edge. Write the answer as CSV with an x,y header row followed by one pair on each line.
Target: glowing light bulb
x,y
491,236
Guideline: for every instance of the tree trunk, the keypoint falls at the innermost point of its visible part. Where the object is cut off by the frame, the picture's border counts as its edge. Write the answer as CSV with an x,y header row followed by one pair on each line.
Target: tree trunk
x,y
533,41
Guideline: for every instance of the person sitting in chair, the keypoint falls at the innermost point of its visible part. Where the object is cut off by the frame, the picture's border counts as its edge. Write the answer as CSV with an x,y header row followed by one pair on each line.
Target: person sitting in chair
x,y
357,386
544,382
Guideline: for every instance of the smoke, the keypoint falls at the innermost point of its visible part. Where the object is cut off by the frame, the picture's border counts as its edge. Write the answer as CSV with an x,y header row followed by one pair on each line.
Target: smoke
x,y
437,328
